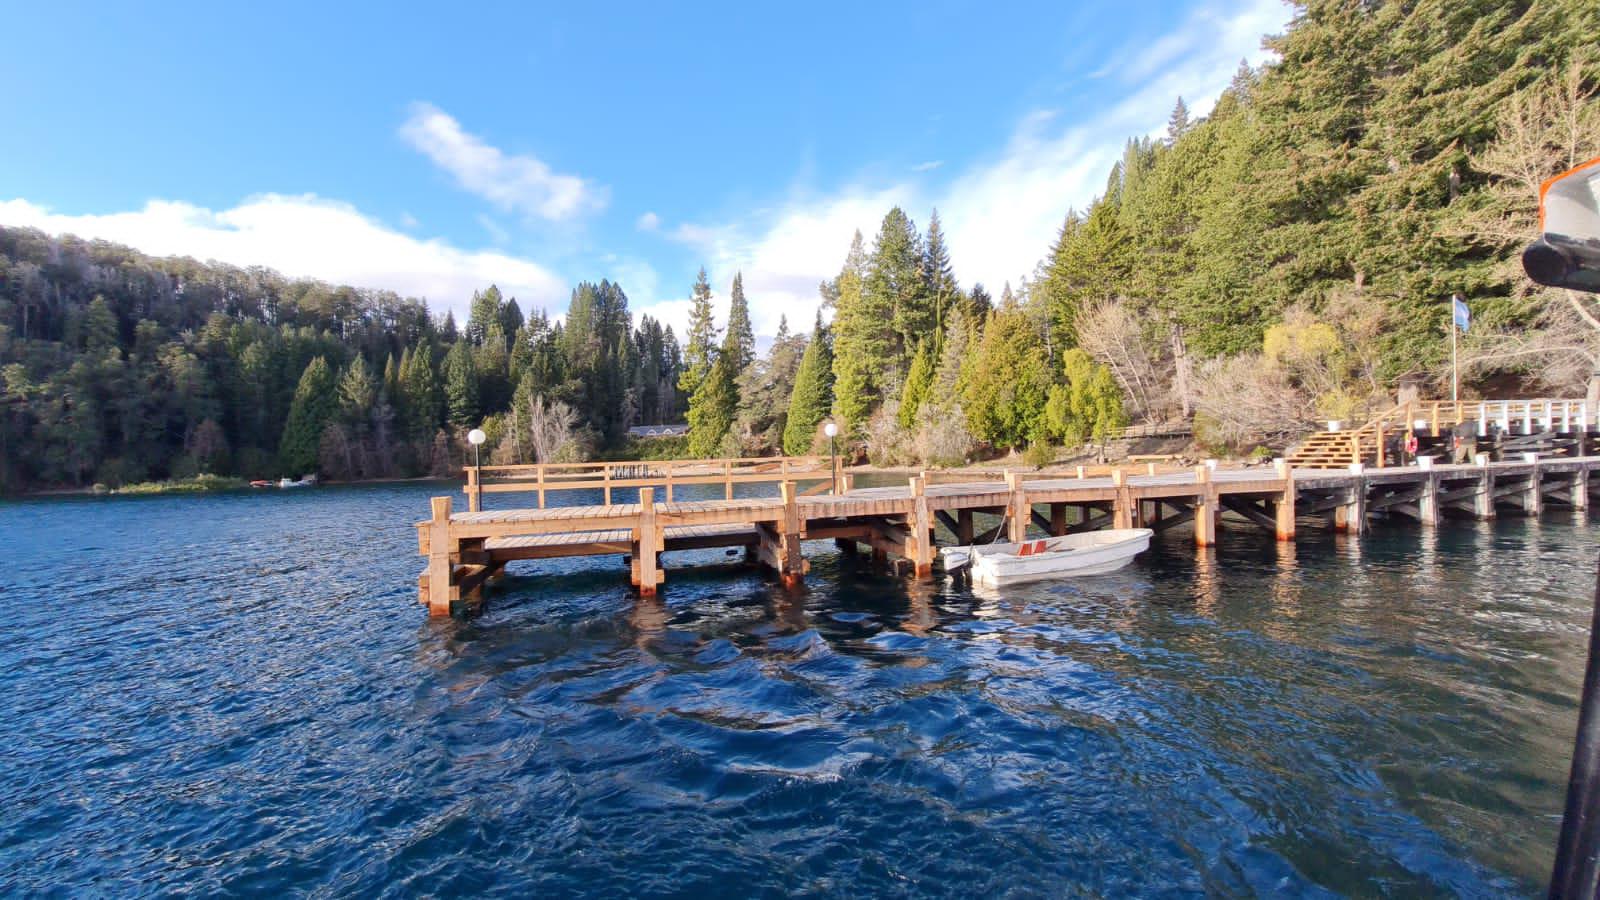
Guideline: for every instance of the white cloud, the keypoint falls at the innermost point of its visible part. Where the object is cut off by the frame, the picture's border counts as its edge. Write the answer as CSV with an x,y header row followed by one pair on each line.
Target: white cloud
x,y
307,236
928,166
512,182
648,222
1001,213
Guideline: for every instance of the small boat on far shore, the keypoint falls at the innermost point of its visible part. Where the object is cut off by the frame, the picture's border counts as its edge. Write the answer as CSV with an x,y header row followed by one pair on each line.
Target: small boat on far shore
x,y
1070,555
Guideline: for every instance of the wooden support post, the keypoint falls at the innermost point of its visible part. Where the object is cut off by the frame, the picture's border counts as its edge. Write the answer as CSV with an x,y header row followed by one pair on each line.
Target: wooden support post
x,y
1351,516
727,480
474,490
605,479
838,473
1122,511
1205,508
440,545
794,564
1533,497
1285,502
1483,503
921,544
541,485
1058,519
1428,500
964,527
1580,489
669,482
1018,509
647,545
847,482
1380,444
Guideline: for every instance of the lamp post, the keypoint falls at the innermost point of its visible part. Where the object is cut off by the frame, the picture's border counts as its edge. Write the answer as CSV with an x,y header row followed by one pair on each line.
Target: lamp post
x,y
830,430
476,437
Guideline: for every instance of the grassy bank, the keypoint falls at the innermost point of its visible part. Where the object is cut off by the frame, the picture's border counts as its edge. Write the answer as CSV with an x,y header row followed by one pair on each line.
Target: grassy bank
x,y
197,485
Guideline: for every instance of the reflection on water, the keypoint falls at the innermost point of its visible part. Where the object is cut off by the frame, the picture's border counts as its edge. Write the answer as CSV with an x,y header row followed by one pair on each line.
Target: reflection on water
x,y
199,698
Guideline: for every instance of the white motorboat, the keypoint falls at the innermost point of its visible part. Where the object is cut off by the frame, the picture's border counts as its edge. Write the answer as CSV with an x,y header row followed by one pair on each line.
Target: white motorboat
x,y
1089,553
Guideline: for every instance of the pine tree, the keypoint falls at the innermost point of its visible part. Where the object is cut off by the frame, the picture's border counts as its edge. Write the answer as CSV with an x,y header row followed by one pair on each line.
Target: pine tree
x,y
357,391
938,275
316,402
812,395
863,342
461,385
712,408
919,382
1006,383
424,399
700,351
1178,123
99,327
894,280
740,339
485,311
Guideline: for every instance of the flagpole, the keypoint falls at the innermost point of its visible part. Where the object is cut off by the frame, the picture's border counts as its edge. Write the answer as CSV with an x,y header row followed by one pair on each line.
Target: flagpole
x,y
1455,365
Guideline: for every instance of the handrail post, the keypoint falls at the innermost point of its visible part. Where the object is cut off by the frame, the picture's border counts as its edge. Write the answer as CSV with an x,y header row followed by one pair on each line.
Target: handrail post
x,y
669,480
474,491
605,480
1435,420
727,479
540,472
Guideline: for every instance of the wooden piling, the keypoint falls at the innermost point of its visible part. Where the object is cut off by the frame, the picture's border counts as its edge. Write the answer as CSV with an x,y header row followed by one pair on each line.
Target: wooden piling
x,y
647,545
920,546
440,591
1533,493
1284,504
793,569
1122,509
1205,507
1580,489
474,490
1483,502
1428,501
1018,509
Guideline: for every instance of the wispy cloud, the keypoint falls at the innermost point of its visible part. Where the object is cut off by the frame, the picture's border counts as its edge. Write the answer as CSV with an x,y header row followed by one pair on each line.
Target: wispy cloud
x,y
928,166
307,236
648,222
1002,212
513,182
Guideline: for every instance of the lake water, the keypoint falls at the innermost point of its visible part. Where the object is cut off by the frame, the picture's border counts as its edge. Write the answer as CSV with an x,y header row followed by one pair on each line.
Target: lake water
x,y
239,694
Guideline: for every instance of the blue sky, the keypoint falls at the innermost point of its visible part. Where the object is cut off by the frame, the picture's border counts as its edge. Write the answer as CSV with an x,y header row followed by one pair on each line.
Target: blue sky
x,y
534,146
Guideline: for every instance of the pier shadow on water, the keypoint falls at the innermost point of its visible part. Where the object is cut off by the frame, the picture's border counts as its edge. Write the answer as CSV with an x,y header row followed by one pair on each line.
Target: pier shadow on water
x,y
240,694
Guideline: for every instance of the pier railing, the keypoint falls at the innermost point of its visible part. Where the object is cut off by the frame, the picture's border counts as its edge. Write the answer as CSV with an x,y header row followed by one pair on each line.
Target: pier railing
x,y
546,478
1367,444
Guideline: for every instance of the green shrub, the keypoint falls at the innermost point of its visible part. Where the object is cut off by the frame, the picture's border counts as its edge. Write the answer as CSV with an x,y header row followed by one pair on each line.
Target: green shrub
x,y
1039,454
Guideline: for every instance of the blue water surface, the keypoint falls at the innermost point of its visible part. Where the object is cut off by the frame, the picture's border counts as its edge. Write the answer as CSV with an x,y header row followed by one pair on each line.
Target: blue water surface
x,y
239,694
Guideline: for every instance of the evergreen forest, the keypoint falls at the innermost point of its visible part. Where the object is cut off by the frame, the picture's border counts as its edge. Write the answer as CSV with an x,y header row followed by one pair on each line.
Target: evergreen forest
x,y
1285,258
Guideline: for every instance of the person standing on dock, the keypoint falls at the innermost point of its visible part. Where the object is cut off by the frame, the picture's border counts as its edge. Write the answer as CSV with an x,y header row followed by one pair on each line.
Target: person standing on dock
x,y
1409,456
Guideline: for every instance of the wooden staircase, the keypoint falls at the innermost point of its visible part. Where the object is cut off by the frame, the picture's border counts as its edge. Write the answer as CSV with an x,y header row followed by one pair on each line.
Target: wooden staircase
x,y
1338,449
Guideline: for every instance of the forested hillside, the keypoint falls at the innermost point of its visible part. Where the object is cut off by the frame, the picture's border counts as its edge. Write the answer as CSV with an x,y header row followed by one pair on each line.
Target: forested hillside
x,y
1282,260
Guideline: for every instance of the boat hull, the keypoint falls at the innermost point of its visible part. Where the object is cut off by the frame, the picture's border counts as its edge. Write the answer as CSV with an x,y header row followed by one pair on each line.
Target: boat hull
x,y
1068,556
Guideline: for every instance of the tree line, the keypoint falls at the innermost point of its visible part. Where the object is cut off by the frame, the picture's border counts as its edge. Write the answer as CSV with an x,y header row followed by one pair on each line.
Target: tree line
x,y
1281,260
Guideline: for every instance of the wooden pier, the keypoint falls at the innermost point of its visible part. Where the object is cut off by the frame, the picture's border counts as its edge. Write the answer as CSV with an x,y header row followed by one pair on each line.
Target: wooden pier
x,y
898,525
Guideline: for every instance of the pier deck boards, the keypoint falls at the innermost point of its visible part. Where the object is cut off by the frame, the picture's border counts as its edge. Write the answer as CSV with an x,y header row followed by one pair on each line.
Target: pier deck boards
x,y
465,549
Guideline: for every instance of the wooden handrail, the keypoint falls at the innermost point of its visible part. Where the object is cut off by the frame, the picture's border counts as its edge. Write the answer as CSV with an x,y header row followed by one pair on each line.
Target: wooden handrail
x,y
606,476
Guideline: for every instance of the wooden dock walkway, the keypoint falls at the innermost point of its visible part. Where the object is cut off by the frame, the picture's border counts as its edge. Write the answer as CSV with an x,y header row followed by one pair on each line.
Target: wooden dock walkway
x,y
465,549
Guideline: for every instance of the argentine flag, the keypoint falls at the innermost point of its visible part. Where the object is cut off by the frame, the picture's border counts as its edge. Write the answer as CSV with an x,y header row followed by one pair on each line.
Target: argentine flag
x,y
1463,316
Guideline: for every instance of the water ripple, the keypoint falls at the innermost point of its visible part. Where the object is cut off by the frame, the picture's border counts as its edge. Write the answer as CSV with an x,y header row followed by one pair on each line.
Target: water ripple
x,y
237,694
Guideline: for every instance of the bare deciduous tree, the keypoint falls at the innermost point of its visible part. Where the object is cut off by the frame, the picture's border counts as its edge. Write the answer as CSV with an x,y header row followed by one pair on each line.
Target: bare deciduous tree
x,y
1546,129
550,427
1112,334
